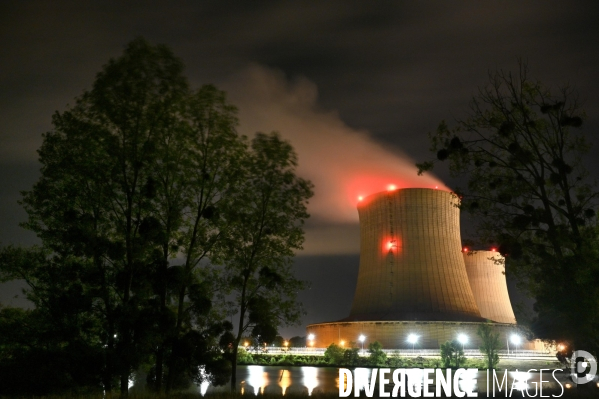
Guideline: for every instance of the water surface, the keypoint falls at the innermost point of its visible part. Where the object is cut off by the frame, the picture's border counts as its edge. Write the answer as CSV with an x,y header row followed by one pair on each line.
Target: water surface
x,y
281,380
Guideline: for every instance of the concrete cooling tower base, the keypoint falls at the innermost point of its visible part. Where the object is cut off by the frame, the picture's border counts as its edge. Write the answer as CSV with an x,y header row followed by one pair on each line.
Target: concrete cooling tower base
x,y
394,334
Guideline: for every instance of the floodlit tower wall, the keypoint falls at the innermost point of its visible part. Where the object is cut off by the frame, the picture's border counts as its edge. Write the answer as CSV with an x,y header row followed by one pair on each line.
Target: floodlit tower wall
x,y
486,272
411,264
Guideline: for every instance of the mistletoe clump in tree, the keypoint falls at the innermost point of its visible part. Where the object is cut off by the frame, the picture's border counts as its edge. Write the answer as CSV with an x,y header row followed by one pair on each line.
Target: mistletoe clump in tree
x,y
522,151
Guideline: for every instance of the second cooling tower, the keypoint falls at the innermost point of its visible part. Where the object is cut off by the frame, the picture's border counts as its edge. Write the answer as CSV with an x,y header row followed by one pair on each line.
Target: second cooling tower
x,y
486,272
411,264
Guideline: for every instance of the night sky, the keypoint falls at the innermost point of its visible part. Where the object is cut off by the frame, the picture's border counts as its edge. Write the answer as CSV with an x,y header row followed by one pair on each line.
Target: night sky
x,y
355,86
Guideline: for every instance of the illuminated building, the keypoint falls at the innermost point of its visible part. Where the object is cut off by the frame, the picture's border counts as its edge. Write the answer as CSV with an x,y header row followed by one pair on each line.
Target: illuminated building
x,y
411,264
414,279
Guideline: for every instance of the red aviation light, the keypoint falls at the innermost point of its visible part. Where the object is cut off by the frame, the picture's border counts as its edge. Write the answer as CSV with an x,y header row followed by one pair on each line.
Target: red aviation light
x,y
465,249
493,250
391,245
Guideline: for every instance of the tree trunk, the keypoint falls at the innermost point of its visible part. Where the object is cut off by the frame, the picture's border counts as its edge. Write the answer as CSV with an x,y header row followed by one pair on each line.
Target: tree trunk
x,y
161,348
170,378
234,367
124,384
107,375
237,341
159,369
108,372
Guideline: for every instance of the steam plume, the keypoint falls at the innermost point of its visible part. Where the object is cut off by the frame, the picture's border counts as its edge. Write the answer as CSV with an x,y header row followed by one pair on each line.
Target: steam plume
x,y
342,162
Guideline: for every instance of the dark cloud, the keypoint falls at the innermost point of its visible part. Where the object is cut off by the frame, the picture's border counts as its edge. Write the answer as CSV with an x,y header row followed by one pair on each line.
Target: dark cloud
x,y
333,281
382,73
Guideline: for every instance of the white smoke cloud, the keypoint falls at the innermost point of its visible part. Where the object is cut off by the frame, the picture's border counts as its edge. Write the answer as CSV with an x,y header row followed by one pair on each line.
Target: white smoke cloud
x,y
342,162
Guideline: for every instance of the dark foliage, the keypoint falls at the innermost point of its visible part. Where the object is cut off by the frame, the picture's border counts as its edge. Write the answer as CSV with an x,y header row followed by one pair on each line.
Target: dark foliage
x,y
529,192
144,211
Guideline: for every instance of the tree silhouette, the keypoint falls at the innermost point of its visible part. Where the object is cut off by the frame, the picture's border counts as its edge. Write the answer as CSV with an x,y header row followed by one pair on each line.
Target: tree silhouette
x,y
260,245
522,152
147,204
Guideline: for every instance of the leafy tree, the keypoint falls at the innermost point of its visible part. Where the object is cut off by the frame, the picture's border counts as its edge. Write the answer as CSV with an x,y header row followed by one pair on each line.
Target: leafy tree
x,y
208,183
44,351
334,354
297,342
260,245
278,342
351,357
452,354
244,357
522,151
134,175
490,344
94,201
395,361
151,208
377,357
447,353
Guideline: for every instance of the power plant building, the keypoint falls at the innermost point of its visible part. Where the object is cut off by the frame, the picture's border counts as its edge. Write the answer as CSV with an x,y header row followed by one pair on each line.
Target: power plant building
x,y
411,263
414,277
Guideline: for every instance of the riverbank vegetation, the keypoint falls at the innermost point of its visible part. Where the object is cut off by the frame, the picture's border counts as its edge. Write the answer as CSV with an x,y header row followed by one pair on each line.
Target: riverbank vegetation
x,y
336,356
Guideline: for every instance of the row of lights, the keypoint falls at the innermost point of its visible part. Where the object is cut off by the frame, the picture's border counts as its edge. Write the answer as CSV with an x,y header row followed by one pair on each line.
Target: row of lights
x,y
393,244
246,343
465,249
413,339
390,187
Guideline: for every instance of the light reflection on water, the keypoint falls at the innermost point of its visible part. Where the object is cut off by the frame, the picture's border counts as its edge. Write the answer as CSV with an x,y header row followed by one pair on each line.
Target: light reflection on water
x,y
257,379
468,380
361,376
284,380
203,388
520,379
414,378
414,381
280,380
310,378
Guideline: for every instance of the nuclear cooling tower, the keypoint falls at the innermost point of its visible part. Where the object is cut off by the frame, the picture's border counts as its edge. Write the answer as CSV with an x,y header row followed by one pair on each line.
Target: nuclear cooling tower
x,y
486,272
411,264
